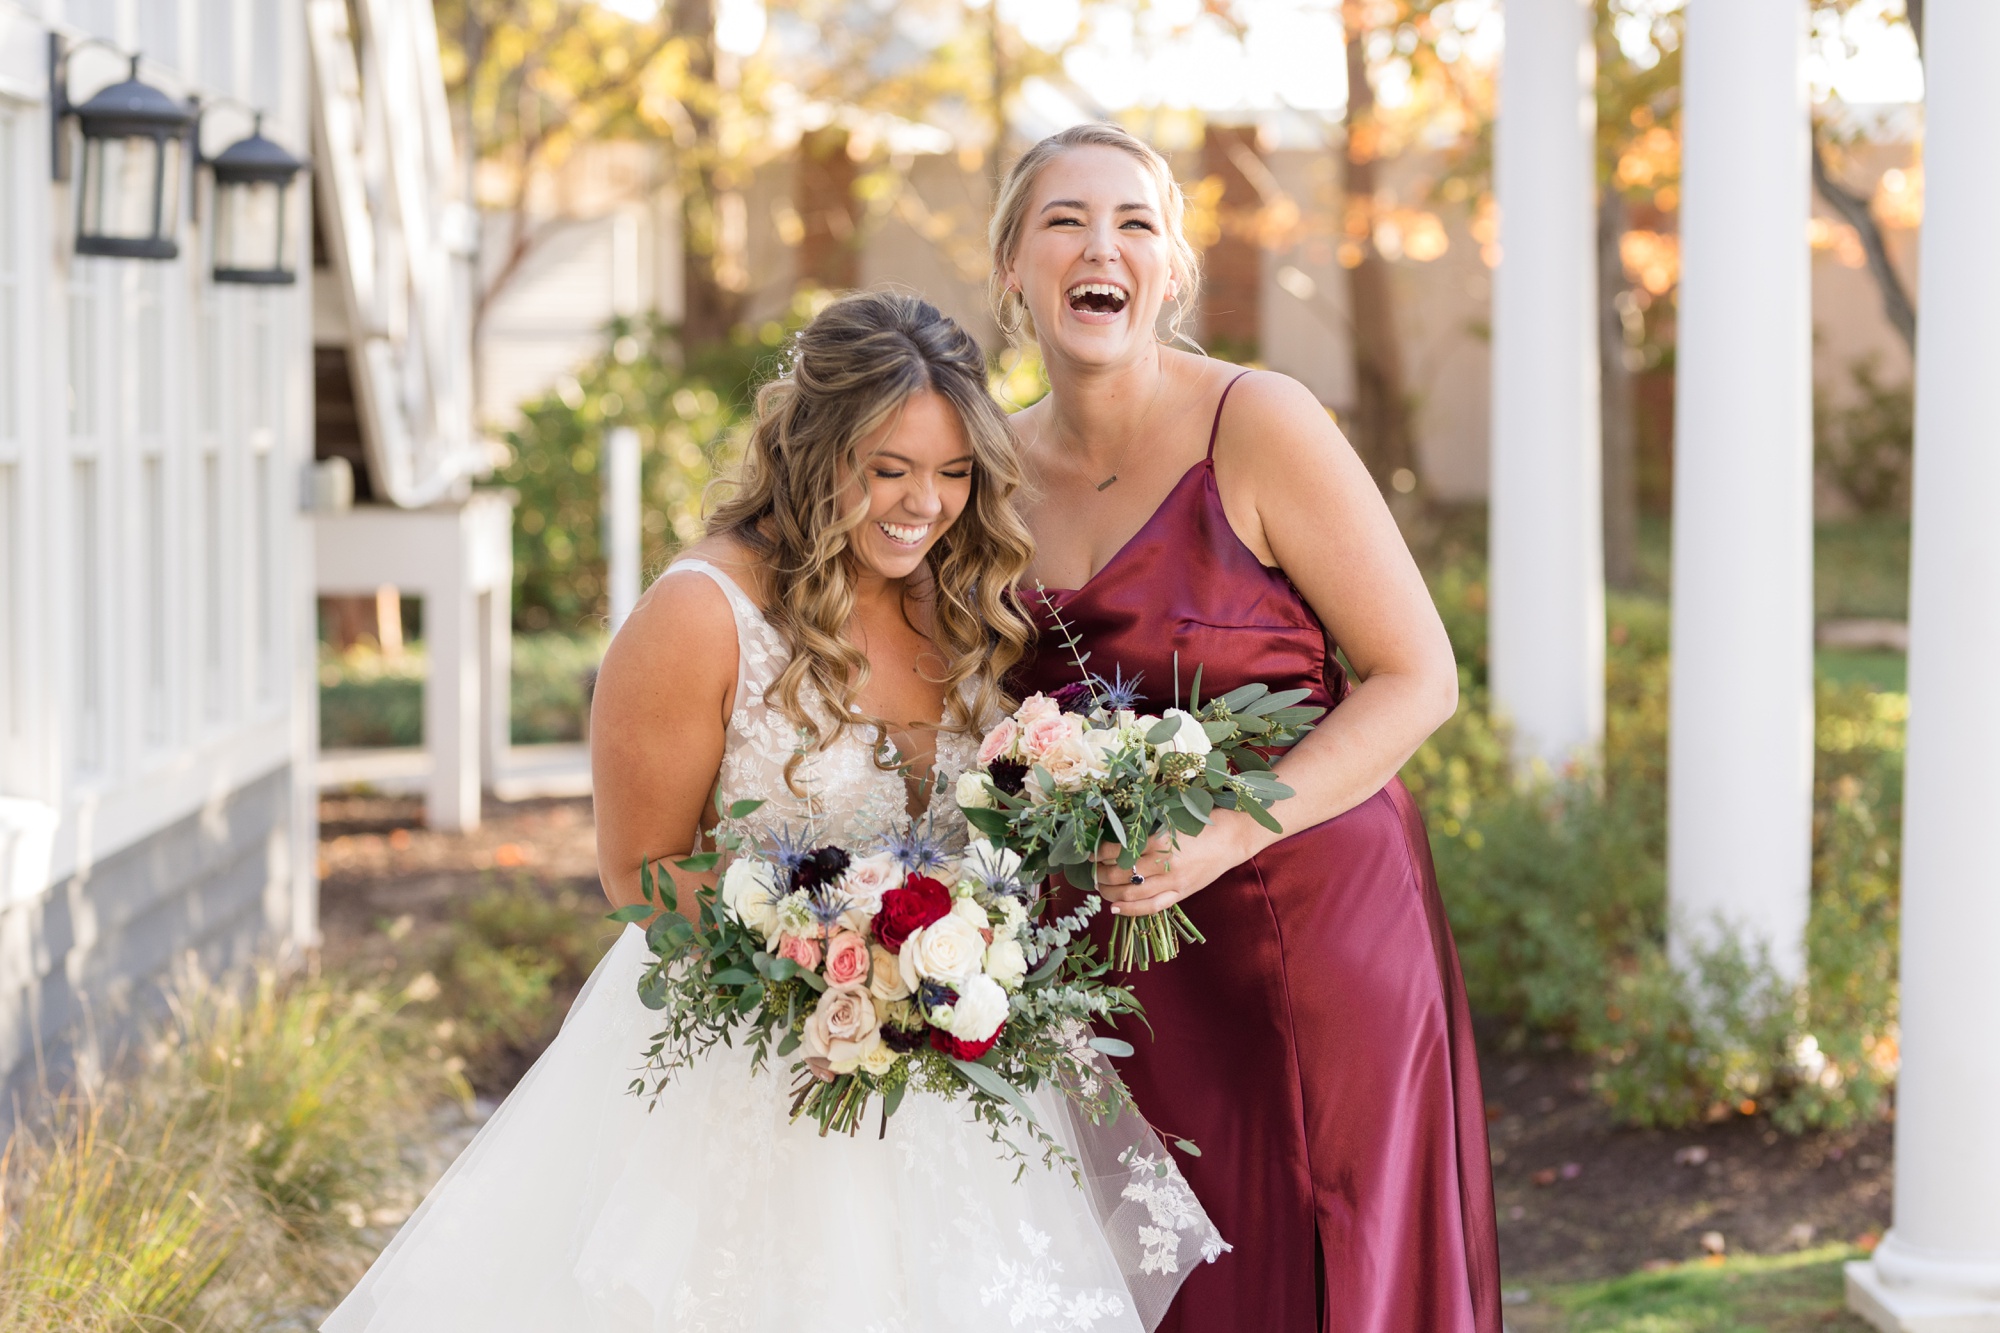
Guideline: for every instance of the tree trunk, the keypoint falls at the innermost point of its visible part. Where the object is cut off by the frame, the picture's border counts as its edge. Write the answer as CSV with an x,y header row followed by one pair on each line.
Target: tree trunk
x,y
1854,211
1620,423
710,309
823,197
1379,425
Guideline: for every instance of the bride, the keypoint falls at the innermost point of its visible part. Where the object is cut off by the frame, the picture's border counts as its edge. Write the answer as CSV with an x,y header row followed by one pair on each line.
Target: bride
x,y
844,627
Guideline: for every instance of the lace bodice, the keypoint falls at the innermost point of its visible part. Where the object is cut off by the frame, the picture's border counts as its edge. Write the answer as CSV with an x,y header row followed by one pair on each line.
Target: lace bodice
x,y
848,799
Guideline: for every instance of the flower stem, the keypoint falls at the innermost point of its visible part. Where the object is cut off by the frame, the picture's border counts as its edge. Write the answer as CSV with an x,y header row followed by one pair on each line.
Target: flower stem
x,y
1137,942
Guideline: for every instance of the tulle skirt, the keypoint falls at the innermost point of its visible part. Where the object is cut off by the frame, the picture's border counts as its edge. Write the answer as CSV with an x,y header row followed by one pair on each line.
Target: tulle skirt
x,y
578,1210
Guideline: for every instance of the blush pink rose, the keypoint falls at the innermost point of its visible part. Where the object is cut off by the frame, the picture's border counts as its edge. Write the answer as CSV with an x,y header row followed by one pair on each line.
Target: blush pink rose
x,y
846,959
800,950
999,741
1036,707
1046,735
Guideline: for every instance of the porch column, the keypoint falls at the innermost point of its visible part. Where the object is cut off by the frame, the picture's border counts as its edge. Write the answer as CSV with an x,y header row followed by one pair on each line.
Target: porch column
x,y
1740,748
1939,1266
1547,539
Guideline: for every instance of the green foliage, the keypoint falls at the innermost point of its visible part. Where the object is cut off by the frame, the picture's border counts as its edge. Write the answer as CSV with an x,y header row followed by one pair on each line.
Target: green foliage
x,y
685,409
504,974
1557,890
367,698
1754,1294
224,1173
1862,440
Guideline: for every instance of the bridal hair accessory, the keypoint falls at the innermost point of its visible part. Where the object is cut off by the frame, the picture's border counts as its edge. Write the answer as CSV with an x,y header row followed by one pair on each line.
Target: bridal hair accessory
x,y
1072,771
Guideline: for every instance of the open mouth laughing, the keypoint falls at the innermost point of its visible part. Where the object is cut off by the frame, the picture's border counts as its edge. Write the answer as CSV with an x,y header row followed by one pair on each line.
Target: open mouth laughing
x,y
909,535
1097,298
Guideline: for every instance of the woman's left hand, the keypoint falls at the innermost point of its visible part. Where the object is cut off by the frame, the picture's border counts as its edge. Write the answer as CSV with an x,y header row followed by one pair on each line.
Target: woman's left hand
x,y
1167,874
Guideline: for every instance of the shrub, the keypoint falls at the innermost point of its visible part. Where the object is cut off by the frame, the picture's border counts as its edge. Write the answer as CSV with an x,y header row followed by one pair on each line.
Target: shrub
x,y
1557,891
368,699
685,409
1862,445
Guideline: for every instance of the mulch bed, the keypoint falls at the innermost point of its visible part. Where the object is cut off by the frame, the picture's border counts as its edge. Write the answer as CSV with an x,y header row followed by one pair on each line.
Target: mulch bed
x,y
1579,1197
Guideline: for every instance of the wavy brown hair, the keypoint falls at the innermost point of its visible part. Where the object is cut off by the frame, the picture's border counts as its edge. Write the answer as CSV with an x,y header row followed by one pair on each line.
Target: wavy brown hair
x,y
849,372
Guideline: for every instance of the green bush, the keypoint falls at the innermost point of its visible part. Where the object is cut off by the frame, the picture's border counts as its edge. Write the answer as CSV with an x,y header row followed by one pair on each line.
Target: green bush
x,y
686,410
367,699
1862,444
1557,891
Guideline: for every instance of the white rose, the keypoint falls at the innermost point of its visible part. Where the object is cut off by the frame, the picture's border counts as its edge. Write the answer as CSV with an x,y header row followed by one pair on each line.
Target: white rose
x,y
885,978
1006,963
981,1009
971,911
747,894
1105,743
946,951
866,880
879,1059
1190,738
973,791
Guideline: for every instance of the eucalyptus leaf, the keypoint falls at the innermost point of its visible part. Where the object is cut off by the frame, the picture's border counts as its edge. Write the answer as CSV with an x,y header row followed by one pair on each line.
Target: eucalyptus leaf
x,y
743,809
700,863
994,823
1219,731
893,1098
1198,802
633,912
781,969
987,1081
1243,696
752,996
1048,967
1262,816
1111,1046
1163,731
1187,1146
734,976
1194,691
789,1044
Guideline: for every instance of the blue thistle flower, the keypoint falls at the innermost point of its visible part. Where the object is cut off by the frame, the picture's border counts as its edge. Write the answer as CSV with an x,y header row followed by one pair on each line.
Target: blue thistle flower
x,y
787,850
1117,693
918,849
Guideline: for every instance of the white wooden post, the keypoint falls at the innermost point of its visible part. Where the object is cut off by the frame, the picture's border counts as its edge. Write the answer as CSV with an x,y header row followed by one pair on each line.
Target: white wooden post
x,y
1939,1266
451,698
1547,530
620,470
1740,749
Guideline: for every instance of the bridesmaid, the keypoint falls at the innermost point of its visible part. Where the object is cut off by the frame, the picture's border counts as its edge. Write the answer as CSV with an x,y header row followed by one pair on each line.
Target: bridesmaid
x,y
1318,1047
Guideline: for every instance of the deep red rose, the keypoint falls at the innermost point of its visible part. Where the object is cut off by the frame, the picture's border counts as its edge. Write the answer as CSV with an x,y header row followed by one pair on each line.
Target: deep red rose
x,y
963,1050
907,910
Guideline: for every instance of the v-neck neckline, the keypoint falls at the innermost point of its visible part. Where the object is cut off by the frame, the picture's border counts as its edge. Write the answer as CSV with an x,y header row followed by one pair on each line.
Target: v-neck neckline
x,y
1133,540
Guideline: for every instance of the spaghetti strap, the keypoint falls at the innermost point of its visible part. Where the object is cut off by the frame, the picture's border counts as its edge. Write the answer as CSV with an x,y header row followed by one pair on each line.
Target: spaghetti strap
x,y
1216,427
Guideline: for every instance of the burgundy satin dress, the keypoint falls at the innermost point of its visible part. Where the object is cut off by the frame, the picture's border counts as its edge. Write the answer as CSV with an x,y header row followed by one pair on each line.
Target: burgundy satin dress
x,y
1317,1048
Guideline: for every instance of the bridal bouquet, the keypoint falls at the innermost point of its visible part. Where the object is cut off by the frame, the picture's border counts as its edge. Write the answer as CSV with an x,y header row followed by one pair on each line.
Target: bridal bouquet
x,y
881,969
1079,768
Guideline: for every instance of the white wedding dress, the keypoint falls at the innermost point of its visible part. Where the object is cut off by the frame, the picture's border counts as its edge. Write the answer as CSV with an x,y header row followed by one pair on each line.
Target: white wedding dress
x,y
578,1210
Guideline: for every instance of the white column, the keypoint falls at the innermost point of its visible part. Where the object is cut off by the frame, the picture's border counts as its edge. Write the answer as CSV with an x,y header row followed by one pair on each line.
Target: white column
x,y
1939,1266
1740,747
621,521
1547,527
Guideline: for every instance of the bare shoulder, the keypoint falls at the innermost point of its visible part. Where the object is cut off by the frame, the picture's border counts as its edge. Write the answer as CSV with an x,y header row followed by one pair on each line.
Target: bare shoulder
x,y
1272,420
680,637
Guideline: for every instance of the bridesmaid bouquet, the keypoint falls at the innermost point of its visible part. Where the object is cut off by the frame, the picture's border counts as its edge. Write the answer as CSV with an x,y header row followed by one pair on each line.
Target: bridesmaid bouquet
x,y
879,971
1070,771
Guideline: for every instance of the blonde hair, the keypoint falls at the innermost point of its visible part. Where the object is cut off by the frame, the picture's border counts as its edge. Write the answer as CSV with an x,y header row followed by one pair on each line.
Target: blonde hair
x,y
848,373
1010,219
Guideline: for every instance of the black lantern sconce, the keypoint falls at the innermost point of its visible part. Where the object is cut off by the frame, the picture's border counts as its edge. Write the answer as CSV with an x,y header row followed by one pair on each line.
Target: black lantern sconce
x,y
253,179
128,192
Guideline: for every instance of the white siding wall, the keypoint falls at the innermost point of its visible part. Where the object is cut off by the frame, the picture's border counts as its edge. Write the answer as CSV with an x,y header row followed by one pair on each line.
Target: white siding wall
x,y
152,428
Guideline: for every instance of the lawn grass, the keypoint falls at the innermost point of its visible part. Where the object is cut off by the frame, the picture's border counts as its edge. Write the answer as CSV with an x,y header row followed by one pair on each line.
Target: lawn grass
x,y
368,700
1781,1293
